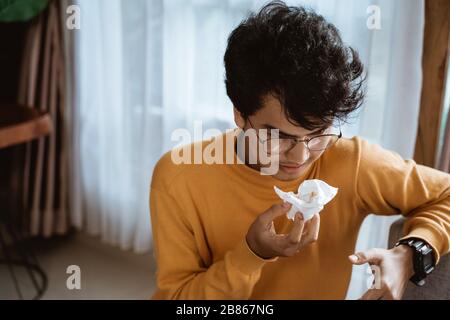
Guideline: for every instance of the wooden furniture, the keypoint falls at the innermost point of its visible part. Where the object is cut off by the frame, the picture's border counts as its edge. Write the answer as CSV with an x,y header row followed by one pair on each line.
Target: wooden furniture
x,y
19,125
434,66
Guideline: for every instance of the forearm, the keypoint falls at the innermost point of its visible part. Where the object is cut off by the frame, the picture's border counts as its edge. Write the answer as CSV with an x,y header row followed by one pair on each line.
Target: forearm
x,y
234,277
432,224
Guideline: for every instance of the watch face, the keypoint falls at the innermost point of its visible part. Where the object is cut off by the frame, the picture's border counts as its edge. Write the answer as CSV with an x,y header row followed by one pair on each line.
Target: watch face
x,y
428,260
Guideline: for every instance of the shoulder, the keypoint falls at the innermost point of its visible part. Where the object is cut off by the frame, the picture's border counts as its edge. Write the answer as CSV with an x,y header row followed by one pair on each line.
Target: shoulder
x,y
371,162
182,164
359,157
167,170
346,150
360,149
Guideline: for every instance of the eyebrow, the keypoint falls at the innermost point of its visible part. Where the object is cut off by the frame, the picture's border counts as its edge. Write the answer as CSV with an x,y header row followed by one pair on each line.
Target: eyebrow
x,y
267,126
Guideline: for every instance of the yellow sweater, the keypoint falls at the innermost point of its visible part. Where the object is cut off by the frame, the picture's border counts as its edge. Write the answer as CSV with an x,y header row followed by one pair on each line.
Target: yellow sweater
x,y
201,213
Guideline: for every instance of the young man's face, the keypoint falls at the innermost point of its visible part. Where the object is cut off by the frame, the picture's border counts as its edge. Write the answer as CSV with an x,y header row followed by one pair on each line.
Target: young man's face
x,y
294,162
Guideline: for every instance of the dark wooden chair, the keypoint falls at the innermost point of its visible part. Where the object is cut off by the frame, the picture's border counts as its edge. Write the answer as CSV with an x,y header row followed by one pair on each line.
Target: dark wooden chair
x,y
19,125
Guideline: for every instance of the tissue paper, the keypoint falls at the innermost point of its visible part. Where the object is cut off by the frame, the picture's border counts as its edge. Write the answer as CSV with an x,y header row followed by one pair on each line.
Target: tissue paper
x,y
311,197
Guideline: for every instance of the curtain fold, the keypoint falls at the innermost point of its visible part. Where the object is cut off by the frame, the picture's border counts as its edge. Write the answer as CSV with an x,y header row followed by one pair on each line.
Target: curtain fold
x,y
42,86
444,161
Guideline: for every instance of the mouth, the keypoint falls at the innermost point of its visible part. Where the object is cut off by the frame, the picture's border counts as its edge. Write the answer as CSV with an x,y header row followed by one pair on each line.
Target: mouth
x,y
291,167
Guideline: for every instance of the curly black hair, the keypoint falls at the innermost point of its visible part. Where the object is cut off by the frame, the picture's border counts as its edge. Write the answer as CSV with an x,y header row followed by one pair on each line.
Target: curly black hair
x,y
296,55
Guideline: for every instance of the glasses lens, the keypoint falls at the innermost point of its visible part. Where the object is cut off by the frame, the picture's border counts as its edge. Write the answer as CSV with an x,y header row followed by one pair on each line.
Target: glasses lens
x,y
279,145
322,143
282,145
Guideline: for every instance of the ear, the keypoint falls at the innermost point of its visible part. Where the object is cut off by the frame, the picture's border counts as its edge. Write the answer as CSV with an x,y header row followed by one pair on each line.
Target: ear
x,y
238,118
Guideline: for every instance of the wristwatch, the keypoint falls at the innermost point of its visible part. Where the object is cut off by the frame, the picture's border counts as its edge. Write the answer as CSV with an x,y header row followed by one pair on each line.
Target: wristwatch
x,y
423,259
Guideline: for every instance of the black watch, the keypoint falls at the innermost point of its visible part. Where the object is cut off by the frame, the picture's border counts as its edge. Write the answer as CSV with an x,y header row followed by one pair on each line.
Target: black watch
x,y
423,259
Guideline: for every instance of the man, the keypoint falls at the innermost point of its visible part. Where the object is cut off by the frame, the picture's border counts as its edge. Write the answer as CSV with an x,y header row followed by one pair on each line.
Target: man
x,y
220,231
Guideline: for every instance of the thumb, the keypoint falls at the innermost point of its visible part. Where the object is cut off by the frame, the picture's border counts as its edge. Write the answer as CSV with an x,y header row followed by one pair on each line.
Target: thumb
x,y
371,256
274,212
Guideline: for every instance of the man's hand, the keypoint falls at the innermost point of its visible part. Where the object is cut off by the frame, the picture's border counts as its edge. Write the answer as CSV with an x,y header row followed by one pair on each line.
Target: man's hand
x,y
392,270
266,243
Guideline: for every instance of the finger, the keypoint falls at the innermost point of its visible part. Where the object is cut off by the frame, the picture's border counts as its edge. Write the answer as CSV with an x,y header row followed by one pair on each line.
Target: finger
x,y
273,212
371,256
310,222
311,230
296,232
372,294
315,226
387,296
281,242
272,228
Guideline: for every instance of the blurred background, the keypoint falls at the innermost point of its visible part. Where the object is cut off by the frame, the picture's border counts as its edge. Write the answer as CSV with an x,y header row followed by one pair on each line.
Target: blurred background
x,y
92,89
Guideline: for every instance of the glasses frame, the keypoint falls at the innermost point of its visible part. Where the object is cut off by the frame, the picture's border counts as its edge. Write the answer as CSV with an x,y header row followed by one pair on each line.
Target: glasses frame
x,y
298,140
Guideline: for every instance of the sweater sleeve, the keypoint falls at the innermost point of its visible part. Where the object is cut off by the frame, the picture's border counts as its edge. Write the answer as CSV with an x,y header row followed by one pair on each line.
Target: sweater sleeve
x,y
386,184
182,273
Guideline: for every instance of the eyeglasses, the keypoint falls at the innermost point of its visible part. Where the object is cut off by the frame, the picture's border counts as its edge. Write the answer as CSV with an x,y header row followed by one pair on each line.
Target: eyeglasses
x,y
282,145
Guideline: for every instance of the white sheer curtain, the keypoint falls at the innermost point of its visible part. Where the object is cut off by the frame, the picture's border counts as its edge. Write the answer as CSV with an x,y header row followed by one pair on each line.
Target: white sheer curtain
x,y
144,68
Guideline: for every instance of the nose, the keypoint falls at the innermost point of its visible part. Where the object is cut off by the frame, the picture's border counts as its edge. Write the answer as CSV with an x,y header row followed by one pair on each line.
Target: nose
x,y
299,153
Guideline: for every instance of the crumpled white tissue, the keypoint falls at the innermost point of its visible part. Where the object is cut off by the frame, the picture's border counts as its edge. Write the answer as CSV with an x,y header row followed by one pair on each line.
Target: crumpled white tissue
x,y
311,197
